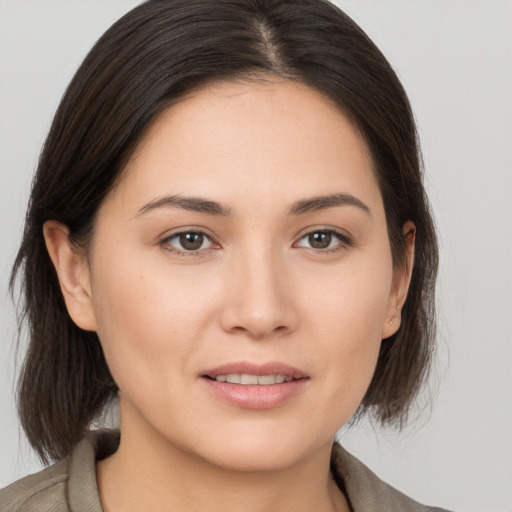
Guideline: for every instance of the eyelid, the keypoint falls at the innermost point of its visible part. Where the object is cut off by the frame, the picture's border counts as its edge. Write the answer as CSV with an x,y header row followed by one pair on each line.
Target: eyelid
x,y
164,240
345,240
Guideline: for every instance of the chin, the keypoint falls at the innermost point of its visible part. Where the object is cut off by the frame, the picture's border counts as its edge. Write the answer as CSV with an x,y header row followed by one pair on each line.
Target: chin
x,y
253,459
256,453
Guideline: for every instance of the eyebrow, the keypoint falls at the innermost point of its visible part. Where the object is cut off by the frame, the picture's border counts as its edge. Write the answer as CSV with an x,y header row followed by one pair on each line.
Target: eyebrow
x,y
322,202
194,204
197,204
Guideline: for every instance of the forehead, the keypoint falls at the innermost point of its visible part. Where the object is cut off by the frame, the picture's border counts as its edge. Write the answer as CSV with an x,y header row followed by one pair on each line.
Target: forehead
x,y
246,139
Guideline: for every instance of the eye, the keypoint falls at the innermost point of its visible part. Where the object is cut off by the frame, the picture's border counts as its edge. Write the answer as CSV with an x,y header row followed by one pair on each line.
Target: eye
x,y
322,240
188,241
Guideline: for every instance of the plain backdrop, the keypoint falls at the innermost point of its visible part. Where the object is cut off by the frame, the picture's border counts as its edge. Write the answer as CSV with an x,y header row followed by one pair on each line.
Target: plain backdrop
x,y
455,60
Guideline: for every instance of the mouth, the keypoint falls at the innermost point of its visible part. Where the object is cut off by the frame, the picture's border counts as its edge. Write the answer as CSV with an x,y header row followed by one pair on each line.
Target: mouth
x,y
251,386
251,374
246,379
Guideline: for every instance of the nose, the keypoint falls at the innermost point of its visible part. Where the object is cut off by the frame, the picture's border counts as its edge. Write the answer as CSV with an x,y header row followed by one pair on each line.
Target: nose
x,y
259,301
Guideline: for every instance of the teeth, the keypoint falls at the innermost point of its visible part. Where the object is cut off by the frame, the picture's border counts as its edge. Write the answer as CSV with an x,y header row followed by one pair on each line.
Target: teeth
x,y
266,380
247,379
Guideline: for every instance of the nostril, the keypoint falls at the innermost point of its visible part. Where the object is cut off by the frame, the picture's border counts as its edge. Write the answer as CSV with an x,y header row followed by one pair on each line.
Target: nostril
x,y
258,316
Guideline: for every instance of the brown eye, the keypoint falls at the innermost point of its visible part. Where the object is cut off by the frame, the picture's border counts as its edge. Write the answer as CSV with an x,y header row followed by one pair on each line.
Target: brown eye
x,y
189,241
320,240
323,239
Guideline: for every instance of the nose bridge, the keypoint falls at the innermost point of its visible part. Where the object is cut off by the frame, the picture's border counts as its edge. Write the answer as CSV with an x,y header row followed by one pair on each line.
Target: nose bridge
x,y
260,303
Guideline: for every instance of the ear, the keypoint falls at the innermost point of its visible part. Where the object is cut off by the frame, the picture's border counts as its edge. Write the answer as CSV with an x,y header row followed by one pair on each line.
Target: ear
x,y
73,273
401,281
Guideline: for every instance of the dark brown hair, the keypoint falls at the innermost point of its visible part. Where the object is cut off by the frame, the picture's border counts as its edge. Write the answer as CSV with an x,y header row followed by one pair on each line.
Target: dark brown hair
x,y
145,62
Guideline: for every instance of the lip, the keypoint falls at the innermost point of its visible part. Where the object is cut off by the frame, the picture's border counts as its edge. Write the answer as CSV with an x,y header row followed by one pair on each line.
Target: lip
x,y
255,396
271,368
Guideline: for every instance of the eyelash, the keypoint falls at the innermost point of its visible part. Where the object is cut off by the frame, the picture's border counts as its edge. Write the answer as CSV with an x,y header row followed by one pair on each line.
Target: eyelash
x,y
344,241
166,243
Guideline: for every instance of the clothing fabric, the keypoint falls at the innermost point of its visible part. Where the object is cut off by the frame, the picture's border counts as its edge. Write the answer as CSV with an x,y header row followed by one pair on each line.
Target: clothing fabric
x,y
70,485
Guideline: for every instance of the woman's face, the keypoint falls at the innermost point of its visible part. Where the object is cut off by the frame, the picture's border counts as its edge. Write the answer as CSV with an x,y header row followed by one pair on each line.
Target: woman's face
x,y
247,242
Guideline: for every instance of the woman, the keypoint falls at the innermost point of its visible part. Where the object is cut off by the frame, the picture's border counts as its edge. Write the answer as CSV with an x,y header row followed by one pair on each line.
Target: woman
x,y
227,230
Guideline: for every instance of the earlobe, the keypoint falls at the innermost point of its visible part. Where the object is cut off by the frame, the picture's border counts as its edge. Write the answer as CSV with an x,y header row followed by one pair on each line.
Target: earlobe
x,y
401,282
73,274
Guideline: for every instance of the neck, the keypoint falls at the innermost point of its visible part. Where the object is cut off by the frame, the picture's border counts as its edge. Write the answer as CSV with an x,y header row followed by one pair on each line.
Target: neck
x,y
148,472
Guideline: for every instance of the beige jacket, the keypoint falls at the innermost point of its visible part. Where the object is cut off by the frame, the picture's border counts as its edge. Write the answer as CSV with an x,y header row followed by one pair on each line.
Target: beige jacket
x,y
70,485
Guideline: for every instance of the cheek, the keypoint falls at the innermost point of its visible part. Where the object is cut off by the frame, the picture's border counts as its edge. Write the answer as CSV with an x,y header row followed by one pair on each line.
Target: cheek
x,y
347,315
349,331
149,320
352,301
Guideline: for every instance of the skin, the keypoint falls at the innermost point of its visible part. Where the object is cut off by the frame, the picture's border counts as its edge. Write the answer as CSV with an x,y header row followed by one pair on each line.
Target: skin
x,y
256,291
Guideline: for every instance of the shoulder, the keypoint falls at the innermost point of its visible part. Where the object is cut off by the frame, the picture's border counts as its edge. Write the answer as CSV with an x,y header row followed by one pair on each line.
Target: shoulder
x,y
70,484
366,491
43,491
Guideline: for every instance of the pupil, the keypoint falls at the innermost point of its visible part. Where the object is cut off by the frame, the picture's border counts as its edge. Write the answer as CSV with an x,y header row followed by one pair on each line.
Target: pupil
x,y
191,241
320,240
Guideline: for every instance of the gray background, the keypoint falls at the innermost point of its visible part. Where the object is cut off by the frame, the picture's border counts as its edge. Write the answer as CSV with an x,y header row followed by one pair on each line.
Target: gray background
x,y
455,60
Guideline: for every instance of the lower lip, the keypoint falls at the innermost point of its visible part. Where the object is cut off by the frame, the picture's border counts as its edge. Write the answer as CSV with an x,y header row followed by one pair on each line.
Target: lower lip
x,y
254,396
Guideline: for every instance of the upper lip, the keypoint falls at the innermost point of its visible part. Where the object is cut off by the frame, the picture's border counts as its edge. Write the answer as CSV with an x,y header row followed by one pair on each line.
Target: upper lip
x,y
246,367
